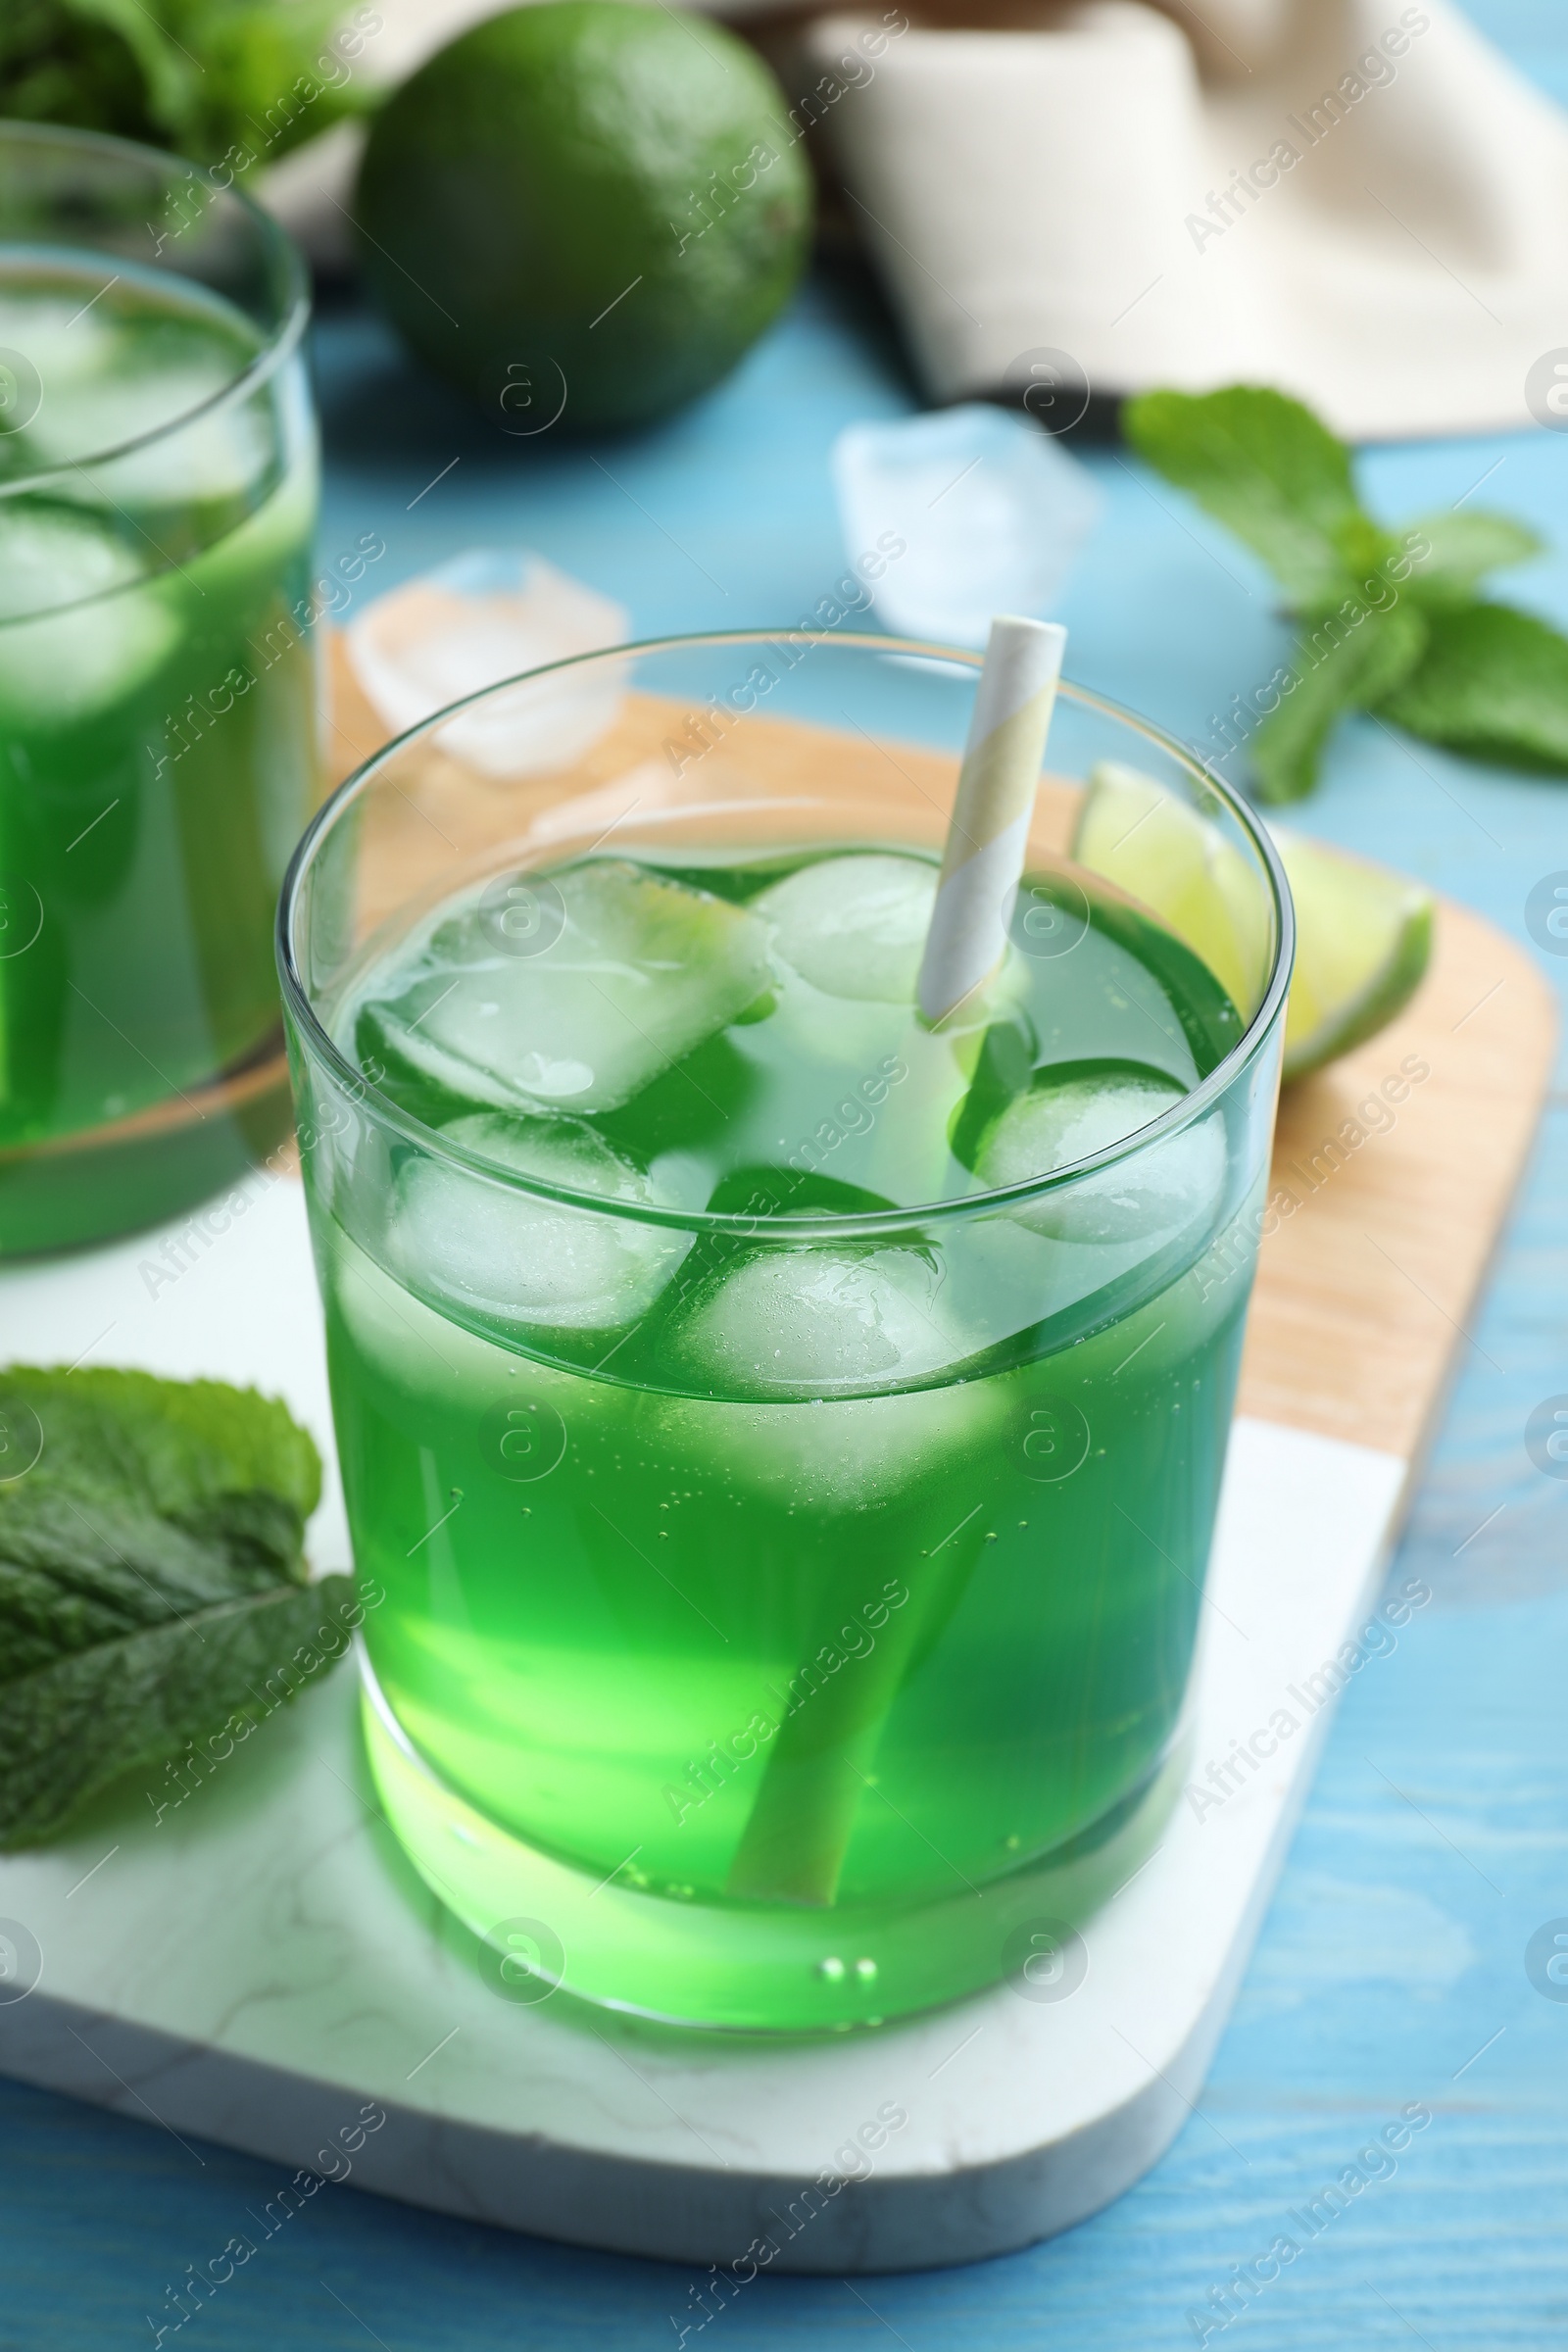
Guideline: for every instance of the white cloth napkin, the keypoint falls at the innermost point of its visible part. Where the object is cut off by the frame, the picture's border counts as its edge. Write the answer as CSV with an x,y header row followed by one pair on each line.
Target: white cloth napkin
x,y
1356,200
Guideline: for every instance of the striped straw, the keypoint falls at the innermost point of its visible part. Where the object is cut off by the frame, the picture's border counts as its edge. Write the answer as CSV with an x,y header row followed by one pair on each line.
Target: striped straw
x,y
989,833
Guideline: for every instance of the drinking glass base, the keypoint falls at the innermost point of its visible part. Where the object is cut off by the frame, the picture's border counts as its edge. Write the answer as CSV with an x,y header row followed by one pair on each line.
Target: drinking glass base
x,y
67,1191
753,1968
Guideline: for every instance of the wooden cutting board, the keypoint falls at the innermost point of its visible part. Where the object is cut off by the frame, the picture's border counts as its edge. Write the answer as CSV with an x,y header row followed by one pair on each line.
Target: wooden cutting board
x,y
1368,1290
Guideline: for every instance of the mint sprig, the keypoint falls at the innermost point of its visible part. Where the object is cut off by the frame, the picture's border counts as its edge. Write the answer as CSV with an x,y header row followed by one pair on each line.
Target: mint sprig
x,y
153,1585
1390,621
235,81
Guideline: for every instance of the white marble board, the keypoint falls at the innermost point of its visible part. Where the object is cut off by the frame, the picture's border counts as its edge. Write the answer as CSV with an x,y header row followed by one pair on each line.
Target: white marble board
x,y
260,1964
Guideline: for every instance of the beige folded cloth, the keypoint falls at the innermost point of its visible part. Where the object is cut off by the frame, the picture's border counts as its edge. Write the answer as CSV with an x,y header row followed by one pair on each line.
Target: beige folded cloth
x,y
1358,200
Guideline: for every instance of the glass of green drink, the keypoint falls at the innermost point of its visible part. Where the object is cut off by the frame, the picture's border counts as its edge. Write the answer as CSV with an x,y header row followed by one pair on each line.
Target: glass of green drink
x,y
158,720
781,1440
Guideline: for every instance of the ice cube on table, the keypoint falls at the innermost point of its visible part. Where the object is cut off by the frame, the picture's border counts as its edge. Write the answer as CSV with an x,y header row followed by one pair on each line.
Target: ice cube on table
x,y
1151,1195
992,511
94,633
853,926
517,1257
818,1321
486,615
630,973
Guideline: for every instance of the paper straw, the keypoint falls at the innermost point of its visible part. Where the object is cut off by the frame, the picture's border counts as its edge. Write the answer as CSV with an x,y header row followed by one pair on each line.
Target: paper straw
x,y
989,833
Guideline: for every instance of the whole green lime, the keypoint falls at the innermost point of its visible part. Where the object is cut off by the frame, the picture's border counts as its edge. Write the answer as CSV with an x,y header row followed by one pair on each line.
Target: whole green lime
x,y
584,211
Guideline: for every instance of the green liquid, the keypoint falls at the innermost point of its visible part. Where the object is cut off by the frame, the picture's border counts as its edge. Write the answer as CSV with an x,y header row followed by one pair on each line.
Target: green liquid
x,y
157,734
824,1597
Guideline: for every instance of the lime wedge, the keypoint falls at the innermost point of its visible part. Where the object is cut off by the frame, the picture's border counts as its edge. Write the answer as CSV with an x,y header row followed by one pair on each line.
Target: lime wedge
x,y
1138,834
1363,934
1363,938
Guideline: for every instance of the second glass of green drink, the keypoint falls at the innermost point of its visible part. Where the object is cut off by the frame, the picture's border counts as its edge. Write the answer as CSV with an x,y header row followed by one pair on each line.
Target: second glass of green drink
x,y
781,1442
158,705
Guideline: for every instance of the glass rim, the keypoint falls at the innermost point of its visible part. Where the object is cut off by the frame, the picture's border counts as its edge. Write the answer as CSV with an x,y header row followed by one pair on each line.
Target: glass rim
x,y
279,343
787,1229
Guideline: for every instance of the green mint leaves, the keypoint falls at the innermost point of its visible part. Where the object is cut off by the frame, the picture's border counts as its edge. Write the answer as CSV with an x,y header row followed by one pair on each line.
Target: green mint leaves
x,y
231,82
1462,548
1494,685
1265,467
1341,664
152,1579
1390,623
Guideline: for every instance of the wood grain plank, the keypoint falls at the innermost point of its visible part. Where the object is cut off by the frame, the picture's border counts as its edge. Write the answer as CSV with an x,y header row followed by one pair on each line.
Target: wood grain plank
x,y
1367,1289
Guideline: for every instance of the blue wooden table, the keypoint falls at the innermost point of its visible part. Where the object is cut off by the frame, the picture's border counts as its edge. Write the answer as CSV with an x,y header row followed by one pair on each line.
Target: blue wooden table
x,y
1392,1966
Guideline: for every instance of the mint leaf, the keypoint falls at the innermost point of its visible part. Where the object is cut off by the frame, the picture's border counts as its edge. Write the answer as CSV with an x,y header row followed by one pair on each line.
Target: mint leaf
x,y
238,80
55,68
1461,548
263,88
152,1578
169,73
1345,664
1392,625
1263,465
68,1730
1492,685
